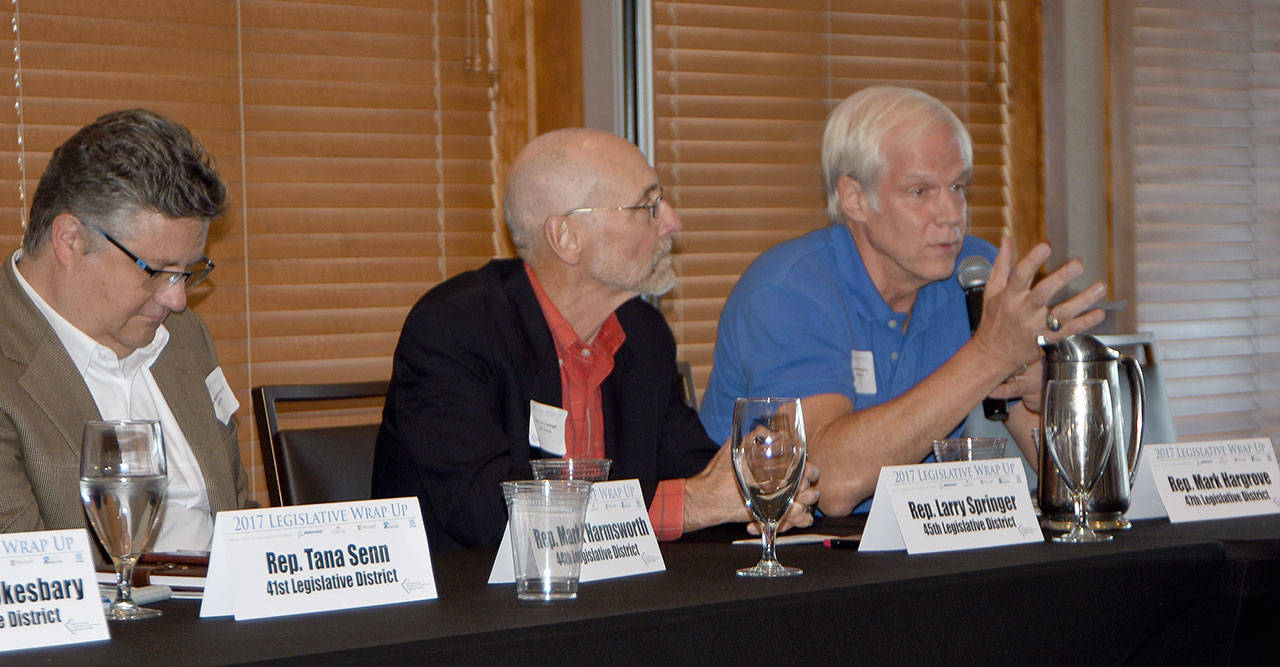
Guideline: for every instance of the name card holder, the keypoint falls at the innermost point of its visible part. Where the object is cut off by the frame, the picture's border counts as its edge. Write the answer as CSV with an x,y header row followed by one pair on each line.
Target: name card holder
x,y
1223,479
932,507
48,590
280,561
619,538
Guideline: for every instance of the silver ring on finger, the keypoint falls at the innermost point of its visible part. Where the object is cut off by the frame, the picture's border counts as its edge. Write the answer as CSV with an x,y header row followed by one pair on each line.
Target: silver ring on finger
x,y
1052,321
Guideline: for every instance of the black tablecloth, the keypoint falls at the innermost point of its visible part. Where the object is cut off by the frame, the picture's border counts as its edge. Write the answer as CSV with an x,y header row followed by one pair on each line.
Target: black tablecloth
x,y
1204,593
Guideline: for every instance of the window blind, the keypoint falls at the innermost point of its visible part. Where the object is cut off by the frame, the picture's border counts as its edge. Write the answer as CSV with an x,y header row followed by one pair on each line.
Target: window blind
x,y
357,145
1206,197
742,91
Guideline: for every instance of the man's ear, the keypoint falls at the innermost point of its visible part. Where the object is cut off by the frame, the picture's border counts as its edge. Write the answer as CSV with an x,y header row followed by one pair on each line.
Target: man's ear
x,y
854,202
562,238
67,237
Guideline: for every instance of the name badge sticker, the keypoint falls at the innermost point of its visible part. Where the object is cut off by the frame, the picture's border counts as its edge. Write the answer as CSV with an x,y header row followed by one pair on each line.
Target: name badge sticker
x,y
619,538
863,364
48,590
932,507
308,558
224,400
546,428
1215,480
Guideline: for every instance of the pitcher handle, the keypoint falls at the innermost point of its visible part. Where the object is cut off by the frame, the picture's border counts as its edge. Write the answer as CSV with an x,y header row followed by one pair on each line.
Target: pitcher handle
x,y
1137,398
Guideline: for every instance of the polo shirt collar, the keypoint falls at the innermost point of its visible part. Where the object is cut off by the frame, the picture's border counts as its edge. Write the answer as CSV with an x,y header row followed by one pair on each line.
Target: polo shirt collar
x,y
857,282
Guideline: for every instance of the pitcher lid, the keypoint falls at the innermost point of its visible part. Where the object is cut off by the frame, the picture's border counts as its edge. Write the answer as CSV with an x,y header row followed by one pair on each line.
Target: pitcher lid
x,y
1076,347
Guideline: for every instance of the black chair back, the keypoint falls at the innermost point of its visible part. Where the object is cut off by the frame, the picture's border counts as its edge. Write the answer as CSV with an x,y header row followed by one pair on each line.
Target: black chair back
x,y
315,465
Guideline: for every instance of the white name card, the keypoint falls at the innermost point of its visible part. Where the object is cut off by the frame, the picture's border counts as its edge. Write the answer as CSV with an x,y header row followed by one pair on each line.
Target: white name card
x,y
619,538
48,591
1216,480
279,561
930,507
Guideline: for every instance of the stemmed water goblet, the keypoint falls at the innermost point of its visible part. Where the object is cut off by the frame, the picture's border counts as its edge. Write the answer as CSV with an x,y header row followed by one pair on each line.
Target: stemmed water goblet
x,y
122,484
768,451
1079,432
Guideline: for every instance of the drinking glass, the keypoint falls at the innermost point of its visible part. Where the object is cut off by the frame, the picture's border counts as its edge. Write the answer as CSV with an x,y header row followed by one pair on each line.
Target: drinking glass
x,y
122,485
768,451
591,470
1079,432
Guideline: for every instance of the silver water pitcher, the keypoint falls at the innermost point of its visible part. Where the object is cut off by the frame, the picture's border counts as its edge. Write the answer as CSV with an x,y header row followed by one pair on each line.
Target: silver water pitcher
x,y
1082,356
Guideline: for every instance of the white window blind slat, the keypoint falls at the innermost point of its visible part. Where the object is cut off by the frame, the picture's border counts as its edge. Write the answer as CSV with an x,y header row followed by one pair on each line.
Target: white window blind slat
x,y
1204,142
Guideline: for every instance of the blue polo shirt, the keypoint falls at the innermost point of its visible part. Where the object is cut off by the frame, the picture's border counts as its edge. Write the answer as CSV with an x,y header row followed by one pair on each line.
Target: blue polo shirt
x,y
805,319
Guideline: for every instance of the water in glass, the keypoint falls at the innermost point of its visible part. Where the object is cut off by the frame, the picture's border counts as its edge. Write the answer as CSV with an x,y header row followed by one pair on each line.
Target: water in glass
x,y
122,485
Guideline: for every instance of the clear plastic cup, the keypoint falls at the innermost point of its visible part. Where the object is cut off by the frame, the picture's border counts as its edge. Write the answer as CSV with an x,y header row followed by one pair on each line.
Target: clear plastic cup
x,y
547,533
968,449
591,470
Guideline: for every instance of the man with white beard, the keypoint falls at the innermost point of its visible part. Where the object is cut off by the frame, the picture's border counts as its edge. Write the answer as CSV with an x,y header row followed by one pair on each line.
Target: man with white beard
x,y
561,337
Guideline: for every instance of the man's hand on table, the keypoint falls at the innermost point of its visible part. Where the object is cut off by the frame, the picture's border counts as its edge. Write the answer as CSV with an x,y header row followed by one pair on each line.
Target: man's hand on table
x,y
800,513
712,497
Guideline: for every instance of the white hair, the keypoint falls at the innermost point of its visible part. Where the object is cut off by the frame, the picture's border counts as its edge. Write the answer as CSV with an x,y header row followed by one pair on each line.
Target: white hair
x,y
852,143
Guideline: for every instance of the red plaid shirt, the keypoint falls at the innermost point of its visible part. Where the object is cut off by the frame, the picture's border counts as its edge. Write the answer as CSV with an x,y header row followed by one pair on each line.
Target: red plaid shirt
x,y
583,366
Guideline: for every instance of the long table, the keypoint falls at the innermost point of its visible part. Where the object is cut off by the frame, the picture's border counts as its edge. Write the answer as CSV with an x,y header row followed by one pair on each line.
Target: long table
x,y
1206,593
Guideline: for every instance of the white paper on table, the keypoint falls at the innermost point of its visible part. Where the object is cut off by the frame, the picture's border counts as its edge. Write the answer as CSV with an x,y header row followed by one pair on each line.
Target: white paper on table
x,y
625,543
805,538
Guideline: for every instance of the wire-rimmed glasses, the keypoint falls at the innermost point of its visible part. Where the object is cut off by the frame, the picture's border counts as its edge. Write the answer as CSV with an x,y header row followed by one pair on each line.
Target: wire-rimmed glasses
x,y
652,206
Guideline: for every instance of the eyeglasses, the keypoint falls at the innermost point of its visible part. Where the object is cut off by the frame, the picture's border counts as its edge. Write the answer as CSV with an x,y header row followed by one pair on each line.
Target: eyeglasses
x,y
161,279
652,206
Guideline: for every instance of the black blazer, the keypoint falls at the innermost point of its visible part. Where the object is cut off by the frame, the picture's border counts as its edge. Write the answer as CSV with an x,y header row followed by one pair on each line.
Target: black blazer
x,y
474,351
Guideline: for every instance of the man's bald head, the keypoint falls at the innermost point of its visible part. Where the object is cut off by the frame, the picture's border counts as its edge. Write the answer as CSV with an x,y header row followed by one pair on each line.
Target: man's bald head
x,y
557,172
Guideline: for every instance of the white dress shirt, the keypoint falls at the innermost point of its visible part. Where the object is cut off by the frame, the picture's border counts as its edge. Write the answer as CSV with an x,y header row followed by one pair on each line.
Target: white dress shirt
x,y
125,389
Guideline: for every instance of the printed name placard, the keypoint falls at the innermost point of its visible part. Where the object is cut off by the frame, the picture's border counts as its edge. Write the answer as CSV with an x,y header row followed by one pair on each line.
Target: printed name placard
x,y
48,592
930,507
1216,480
619,538
279,561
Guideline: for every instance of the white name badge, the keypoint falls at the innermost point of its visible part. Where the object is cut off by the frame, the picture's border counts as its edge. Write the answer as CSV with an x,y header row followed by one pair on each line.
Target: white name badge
x,y
1216,480
48,591
620,540
279,561
546,428
863,365
930,507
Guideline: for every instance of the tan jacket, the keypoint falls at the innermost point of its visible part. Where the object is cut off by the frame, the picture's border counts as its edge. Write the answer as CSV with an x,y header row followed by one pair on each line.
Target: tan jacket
x,y
44,404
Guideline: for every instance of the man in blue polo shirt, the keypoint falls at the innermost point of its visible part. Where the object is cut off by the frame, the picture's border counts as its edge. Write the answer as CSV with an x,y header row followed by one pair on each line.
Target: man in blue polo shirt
x,y
864,319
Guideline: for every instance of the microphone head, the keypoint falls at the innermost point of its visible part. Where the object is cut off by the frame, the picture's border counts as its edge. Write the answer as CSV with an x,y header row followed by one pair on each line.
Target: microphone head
x,y
973,272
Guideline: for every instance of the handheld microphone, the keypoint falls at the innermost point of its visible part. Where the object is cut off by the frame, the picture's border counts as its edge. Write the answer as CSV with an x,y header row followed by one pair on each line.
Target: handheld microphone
x,y
972,275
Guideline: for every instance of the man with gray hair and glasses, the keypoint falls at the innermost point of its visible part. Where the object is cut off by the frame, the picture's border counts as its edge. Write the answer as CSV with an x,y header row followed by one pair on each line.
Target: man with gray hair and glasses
x,y
95,326
554,354
864,318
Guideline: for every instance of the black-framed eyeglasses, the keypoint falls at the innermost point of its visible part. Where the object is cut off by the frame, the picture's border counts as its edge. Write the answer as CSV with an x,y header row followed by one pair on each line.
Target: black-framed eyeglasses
x,y
652,206
160,279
